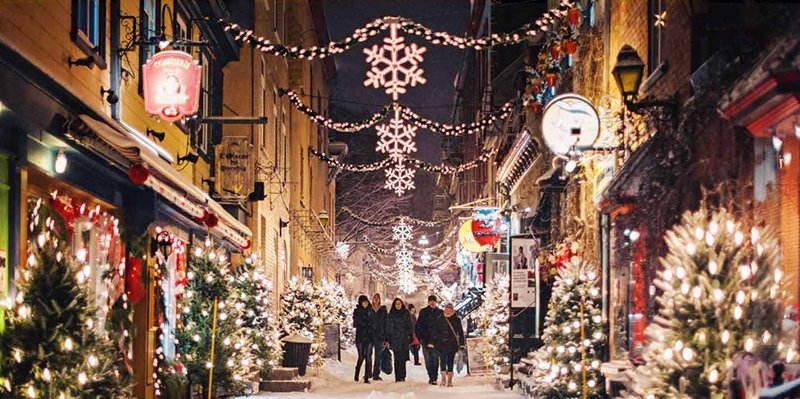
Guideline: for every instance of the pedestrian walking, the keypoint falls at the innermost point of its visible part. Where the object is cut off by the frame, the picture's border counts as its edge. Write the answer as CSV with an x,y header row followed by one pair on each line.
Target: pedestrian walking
x,y
450,340
363,323
425,329
399,333
412,310
379,315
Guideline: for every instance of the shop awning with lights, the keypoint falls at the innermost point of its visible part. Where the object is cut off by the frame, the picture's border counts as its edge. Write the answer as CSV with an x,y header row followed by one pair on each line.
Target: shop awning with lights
x,y
163,178
519,160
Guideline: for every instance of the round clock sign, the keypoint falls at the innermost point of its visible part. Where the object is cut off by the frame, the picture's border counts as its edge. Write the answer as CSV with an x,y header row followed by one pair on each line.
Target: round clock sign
x,y
570,121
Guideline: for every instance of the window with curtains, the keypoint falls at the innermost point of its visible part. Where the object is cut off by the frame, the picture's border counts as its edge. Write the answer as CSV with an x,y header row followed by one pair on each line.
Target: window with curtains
x,y
656,20
89,28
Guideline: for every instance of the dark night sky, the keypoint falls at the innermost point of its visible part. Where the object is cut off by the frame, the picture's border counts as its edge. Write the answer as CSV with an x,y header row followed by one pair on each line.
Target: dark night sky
x,y
441,64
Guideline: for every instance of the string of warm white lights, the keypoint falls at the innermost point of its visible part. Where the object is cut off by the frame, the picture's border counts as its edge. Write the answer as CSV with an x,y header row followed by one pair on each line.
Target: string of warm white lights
x,y
393,220
408,26
371,167
344,127
406,114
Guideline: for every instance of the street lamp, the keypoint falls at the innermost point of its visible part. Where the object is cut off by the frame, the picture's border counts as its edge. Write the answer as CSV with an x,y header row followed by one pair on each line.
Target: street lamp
x,y
628,73
323,218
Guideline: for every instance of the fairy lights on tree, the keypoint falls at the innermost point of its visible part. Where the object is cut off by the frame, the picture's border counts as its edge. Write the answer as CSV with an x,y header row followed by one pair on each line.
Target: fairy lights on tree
x,y
493,317
568,365
720,300
300,314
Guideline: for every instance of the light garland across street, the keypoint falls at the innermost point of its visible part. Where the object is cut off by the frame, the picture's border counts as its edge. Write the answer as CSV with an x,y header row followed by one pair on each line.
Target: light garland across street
x,y
375,166
389,222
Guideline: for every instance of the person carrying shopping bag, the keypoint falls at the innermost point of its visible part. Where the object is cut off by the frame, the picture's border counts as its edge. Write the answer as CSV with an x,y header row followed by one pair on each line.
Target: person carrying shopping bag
x,y
399,332
451,340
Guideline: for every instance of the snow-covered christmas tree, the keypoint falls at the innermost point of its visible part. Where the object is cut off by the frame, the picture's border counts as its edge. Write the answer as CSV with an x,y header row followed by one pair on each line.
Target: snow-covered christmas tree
x,y
51,347
251,298
720,298
234,362
492,317
568,365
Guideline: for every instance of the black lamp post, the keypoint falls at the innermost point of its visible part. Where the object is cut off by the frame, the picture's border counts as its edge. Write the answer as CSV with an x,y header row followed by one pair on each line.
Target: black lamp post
x,y
628,73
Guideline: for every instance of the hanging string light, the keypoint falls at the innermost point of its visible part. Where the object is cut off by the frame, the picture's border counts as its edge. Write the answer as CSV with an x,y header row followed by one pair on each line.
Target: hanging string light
x,y
360,168
371,167
407,26
406,114
393,220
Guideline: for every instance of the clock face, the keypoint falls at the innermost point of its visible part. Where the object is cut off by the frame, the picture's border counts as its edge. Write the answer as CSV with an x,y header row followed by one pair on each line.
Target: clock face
x,y
568,121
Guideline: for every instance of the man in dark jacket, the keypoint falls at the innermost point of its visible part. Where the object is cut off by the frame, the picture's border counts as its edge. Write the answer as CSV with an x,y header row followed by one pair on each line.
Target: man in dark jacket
x,y
398,333
379,315
363,322
427,327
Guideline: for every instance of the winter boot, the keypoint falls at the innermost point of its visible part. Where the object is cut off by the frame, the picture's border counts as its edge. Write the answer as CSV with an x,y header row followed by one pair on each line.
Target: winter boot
x,y
449,378
444,378
358,371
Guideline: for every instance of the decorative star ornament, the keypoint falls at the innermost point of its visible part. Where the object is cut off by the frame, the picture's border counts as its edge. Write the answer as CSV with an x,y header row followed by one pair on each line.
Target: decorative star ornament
x,y
661,19
394,65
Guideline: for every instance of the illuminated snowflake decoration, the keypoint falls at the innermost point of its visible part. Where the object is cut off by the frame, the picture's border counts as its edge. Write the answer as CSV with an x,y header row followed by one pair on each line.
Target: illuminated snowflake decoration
x,y
342,250
399,179
425,258
394,65
407,284
396,138
403,258
401,232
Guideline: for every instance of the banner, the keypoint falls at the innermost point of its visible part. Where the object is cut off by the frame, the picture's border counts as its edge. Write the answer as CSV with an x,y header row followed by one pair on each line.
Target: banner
x,y
234,167
524,272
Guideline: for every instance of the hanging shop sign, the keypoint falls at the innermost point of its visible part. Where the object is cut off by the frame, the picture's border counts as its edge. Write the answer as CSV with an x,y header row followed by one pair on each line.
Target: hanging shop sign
x,y
524,272
467,239
234,167
171,85
487,226
570,122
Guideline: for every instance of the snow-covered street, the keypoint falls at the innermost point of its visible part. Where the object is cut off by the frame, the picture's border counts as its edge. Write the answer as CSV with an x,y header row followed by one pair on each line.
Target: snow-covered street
x,y
335,380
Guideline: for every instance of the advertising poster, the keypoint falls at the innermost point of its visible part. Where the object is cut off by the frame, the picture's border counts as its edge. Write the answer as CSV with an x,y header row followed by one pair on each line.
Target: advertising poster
x,y
475,356
524,272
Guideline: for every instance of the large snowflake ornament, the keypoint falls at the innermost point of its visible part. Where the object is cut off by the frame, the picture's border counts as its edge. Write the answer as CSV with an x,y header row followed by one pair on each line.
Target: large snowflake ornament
x,y
394,65
401,232
399,179
396,138
404,259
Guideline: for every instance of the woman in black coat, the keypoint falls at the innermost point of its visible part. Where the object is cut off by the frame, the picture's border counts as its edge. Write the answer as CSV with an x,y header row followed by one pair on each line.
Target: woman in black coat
x,y
398,332
364,324
450,339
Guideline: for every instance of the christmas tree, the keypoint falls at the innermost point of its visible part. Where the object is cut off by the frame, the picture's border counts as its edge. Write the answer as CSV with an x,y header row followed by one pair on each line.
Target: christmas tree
x,y
720,297
234,361
568,365
51,347
300,314
492,317
251,298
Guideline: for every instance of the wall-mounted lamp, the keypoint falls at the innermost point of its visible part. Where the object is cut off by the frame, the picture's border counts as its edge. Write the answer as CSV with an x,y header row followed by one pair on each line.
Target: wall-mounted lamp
x,y
628,73
189,157
323,218
110,95
60,164
87,62
156,134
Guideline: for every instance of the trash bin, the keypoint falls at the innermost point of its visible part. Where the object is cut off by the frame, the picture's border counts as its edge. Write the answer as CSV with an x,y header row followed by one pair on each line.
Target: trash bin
x,y
296,349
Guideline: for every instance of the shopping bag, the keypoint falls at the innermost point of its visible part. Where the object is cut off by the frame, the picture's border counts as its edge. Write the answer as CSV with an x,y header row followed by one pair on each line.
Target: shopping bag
x,y
386,361
459,361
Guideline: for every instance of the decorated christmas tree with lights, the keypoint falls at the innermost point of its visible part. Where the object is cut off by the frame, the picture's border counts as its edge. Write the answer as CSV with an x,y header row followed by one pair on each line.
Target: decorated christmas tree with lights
x,y
720,300
568,365
52,347
493,318
251,299
300,314
234,360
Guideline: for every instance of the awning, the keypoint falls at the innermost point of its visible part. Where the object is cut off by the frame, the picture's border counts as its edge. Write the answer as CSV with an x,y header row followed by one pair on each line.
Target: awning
x,y
167,182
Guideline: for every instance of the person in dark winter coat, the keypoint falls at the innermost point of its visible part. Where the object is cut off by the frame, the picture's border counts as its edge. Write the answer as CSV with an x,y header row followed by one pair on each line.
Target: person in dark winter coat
x,y
450,340
398,333
363,323
379,315
427,325
414,340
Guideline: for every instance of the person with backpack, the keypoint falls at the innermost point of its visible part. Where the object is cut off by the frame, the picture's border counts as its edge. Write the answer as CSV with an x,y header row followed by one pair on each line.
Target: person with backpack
x,y
399,333
363,323
450,340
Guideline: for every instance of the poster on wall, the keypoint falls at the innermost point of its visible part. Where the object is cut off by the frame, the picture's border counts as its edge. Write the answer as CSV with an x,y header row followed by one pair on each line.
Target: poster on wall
x,y
475,356
524,272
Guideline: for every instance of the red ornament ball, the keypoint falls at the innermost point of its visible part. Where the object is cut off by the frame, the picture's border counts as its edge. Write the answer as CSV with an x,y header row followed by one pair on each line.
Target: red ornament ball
x,y
211,220
138,174
248,245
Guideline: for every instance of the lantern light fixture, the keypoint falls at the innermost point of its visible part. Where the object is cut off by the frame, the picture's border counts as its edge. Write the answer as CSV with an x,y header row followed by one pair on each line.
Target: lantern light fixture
x,y
628,73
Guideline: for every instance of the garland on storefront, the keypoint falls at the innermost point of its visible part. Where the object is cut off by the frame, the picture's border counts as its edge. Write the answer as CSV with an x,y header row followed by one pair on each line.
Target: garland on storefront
x,y
544,23
375,166
405,113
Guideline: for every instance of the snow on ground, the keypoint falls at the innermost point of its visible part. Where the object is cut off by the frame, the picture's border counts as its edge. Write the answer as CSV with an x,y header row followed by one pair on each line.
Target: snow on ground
x,y
335,380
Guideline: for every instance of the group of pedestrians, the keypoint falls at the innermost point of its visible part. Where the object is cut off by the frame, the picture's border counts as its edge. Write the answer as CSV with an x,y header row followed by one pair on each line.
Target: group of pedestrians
x,y
438,332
